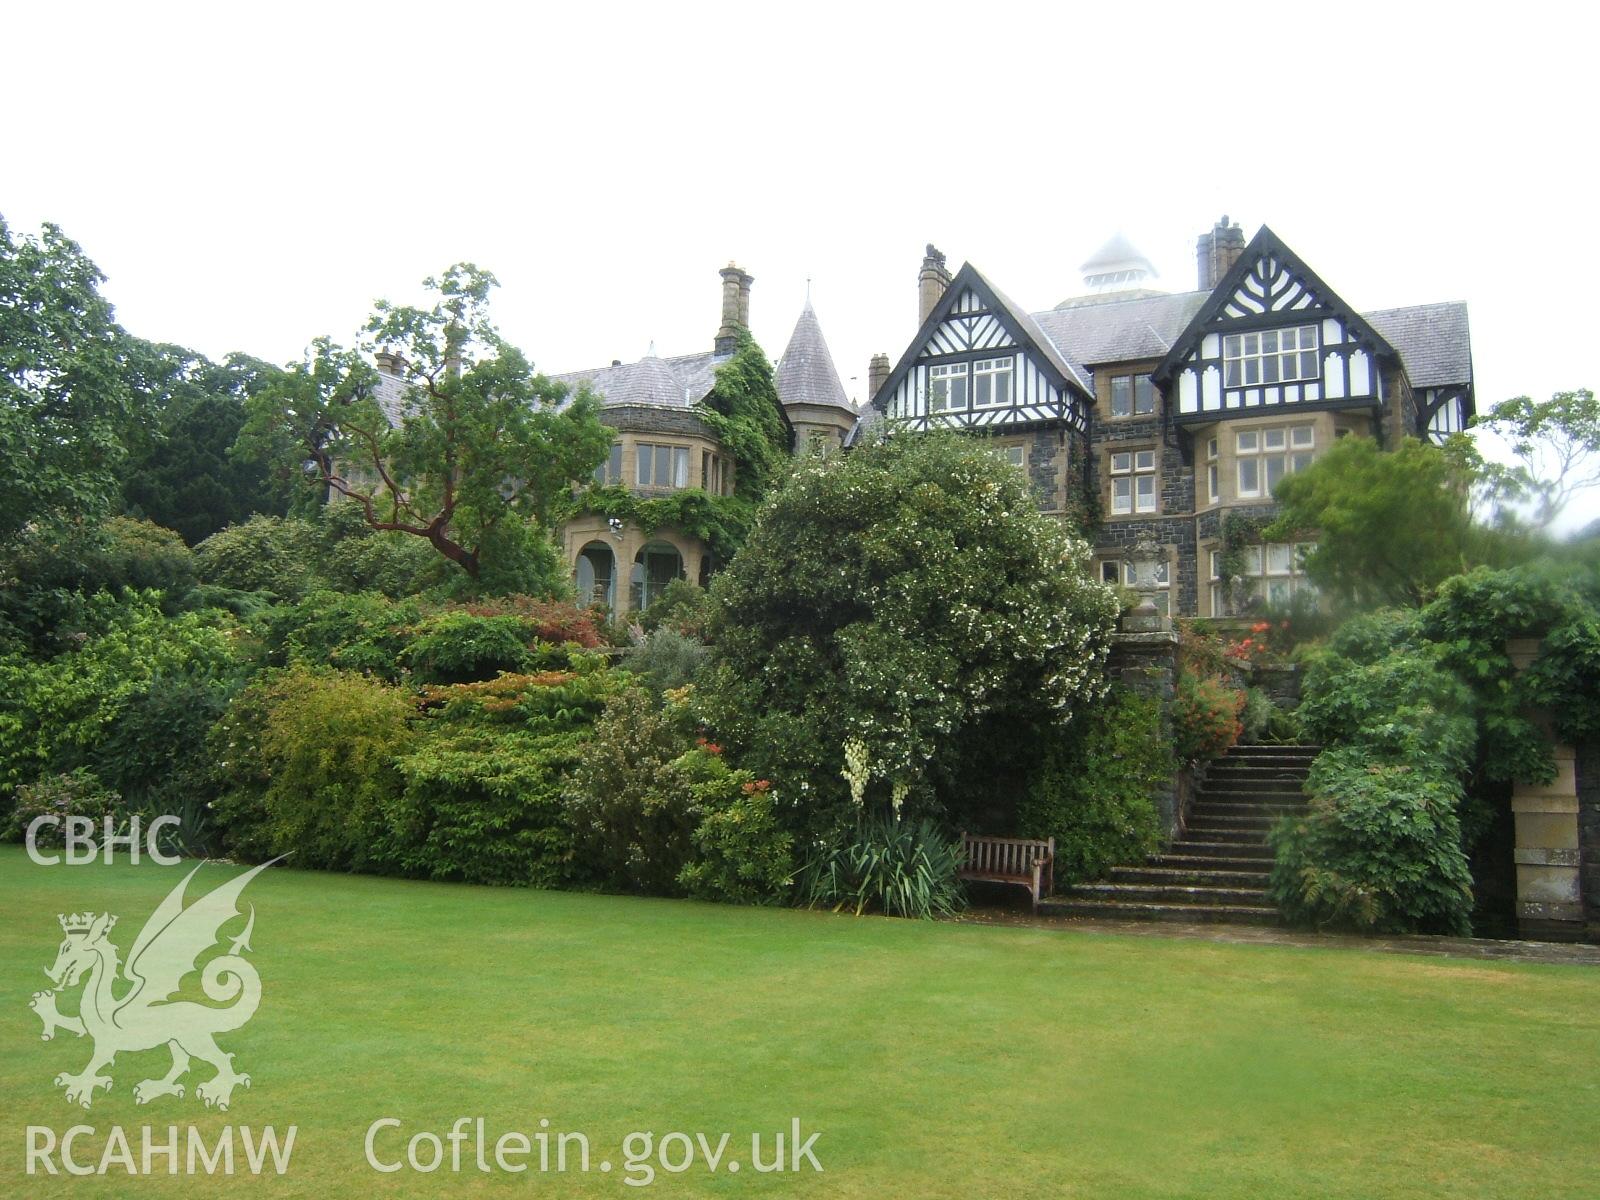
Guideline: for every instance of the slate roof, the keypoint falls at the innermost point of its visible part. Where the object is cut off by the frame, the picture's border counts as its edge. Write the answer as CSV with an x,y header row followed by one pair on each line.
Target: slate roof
x,y
806,373
1143,326
679,382
1433,340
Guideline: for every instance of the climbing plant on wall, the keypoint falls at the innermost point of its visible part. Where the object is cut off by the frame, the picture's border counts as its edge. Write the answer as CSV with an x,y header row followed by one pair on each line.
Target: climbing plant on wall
x,y
743,412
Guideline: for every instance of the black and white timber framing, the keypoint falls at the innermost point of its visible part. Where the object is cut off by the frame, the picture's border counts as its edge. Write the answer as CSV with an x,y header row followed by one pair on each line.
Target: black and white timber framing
x,y
1270,290
975,323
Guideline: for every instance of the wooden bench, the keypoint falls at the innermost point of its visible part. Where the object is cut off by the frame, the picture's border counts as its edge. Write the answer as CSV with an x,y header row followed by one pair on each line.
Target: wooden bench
x,y
1025,861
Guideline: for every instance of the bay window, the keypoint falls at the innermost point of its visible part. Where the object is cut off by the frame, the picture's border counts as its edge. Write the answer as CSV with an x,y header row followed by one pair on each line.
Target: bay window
x,y
1266,455
662,466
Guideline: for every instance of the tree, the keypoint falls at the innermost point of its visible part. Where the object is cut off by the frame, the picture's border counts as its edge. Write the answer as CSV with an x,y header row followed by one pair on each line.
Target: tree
x,y
64,401
1557,445
181,475
902,598
1389,526
477,444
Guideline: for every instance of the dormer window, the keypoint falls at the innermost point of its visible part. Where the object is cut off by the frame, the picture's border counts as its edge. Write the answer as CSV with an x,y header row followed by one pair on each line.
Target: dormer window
x,y
1270,356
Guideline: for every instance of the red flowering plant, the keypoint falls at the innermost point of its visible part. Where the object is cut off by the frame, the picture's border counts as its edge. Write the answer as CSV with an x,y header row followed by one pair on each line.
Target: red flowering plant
x,y
1253,646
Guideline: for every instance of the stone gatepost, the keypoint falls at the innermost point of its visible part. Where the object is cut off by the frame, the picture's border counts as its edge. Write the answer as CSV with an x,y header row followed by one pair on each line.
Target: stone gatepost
x,y
1549,892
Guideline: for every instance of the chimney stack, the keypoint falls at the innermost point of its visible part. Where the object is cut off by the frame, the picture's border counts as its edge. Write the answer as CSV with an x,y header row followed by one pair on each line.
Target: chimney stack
x,y
877,375
1218,249
735,308
391,363
931,282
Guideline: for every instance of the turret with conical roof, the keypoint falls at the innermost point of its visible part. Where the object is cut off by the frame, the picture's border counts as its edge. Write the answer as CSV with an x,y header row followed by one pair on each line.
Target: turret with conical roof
x,y
809,387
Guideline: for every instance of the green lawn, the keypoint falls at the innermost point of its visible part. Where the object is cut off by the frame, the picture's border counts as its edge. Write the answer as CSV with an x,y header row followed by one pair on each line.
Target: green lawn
x,y
936,1060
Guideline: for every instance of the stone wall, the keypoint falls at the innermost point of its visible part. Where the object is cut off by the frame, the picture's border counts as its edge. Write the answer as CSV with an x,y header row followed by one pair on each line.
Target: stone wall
x,y
1588,779
1147,663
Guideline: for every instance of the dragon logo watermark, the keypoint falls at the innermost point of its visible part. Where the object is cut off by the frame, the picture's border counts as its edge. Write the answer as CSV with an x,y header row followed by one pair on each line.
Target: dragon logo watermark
x,y
128,1007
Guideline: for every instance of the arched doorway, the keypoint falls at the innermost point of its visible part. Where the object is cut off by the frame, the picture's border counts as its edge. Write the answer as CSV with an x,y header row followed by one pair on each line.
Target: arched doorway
x,y
597,576
655,566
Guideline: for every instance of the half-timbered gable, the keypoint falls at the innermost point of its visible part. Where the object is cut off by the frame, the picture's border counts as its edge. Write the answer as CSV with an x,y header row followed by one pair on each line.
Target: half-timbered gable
x,y
1272,335
980,362
1169,415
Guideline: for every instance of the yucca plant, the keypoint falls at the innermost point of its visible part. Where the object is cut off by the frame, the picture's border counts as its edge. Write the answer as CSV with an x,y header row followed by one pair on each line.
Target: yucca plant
x,y
900,868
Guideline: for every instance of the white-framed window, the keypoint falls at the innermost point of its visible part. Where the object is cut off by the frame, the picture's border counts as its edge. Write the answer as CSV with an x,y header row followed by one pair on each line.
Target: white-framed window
x,y
610,471
1133,481
1276,571
1111,570
1270,356
1266,455
1213,490
1017,456
1218,585
1132,396
947,387
991,382
662,466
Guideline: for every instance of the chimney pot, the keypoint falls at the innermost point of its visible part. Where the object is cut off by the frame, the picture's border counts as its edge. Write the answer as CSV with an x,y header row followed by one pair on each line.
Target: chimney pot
x,y
877,375
735,307
931,282
1216,252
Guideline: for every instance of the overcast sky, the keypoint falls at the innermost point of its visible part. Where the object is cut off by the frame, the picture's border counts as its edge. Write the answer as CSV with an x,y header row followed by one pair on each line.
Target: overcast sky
x,y
251,176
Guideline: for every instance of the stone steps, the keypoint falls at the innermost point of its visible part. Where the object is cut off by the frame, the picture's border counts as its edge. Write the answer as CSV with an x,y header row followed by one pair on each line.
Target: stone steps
x,y
1217,871
1198,876
1209,895
1111,910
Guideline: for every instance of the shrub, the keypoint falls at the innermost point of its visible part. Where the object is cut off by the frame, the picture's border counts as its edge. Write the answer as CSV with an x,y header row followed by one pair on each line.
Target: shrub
x,y
897,596
483,805
629,801
1264,722
742,854
1471,619
104,556
682,607
1205,716
1378,850
361,632
1092,793
55,713
545,702
1404,706
153,752
276,555
901,868
354,557
457,647
552,622
76,793
666,660
53,566
327,751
